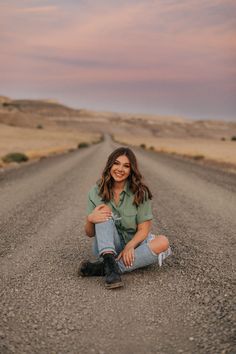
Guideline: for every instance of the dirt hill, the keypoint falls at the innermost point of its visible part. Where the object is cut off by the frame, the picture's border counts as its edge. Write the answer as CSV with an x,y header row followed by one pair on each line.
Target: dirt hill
x,y
49,113
43,108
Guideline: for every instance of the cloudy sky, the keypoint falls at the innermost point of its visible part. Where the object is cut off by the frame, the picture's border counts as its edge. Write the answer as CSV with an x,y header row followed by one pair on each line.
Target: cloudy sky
x,y
168,57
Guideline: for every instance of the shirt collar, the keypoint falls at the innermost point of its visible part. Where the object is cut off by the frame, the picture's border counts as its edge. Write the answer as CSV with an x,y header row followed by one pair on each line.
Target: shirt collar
x,y
126,188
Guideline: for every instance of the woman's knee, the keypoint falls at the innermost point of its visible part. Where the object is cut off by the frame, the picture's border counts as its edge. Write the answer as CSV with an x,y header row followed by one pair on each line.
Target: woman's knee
x,y
159,244
107,224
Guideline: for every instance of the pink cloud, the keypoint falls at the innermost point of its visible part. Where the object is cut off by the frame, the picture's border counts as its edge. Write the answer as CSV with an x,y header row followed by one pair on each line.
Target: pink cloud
x,y
130,42
37,10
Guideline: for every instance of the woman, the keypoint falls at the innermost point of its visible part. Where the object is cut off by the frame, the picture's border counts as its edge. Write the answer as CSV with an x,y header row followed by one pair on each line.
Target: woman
x,y
119,216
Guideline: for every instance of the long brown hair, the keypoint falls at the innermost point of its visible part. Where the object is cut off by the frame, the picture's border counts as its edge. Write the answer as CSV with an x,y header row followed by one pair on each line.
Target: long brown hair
x,y
140,190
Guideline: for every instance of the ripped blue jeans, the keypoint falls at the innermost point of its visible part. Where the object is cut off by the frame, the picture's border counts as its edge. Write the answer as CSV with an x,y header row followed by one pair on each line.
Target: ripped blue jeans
x,y
108,239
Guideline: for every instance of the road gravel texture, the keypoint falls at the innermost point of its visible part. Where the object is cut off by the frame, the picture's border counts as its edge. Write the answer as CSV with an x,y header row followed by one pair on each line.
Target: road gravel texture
x,y
186,306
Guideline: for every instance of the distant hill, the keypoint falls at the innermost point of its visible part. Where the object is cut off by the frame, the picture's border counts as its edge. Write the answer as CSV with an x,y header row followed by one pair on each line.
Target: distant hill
x,y
4,99
52,108
54,115
46,108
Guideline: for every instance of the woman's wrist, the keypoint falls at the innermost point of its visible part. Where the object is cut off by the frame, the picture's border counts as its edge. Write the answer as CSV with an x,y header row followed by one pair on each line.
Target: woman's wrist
x,y
131,243
89,218
136,240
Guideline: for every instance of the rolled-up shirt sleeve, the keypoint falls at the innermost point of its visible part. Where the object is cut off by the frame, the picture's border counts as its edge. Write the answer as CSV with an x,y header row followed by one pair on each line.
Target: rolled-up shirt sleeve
x,y
90,201
144,212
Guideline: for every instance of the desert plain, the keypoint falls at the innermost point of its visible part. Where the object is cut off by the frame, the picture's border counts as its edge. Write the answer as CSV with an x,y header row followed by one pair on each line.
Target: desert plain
x,y
39,128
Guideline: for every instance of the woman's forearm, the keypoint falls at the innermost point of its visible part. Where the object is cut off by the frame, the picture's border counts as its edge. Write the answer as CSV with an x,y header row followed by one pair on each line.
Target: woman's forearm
x,y
141,234
138,238
89,228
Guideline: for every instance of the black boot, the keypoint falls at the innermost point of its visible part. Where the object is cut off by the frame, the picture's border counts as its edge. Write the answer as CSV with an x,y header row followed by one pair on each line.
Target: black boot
x,y
112,272
90,269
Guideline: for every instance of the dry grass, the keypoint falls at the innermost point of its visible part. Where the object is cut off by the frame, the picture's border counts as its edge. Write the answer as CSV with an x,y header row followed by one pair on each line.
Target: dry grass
x,y
36,143
212,149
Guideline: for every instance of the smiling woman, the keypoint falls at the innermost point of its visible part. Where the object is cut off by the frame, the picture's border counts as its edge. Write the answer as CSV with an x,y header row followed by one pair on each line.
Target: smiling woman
x,y
119,216
120,169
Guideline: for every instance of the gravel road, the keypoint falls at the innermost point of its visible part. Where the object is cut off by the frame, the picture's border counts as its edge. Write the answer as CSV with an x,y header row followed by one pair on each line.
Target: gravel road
x,y
186,306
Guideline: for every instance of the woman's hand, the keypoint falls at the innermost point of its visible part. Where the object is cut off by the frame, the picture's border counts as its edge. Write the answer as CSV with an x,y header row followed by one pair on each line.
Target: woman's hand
x,y
127,255
101,213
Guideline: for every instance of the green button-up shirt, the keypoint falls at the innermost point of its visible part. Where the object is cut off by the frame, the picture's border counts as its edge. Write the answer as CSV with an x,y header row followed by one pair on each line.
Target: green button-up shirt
x,y
131,215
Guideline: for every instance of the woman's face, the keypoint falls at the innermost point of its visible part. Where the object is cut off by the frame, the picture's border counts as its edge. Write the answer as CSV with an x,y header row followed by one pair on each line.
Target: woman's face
x,y
120,170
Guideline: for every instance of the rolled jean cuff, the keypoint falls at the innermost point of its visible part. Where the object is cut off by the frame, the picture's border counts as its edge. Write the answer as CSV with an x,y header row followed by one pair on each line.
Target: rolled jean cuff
x,y
107,250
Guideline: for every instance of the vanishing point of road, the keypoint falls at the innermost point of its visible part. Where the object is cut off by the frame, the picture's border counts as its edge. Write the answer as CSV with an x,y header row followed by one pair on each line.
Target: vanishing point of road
x,y
186,306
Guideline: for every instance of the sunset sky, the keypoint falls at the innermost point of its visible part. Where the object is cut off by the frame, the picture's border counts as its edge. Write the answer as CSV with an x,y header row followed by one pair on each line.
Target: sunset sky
x,y
168,57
